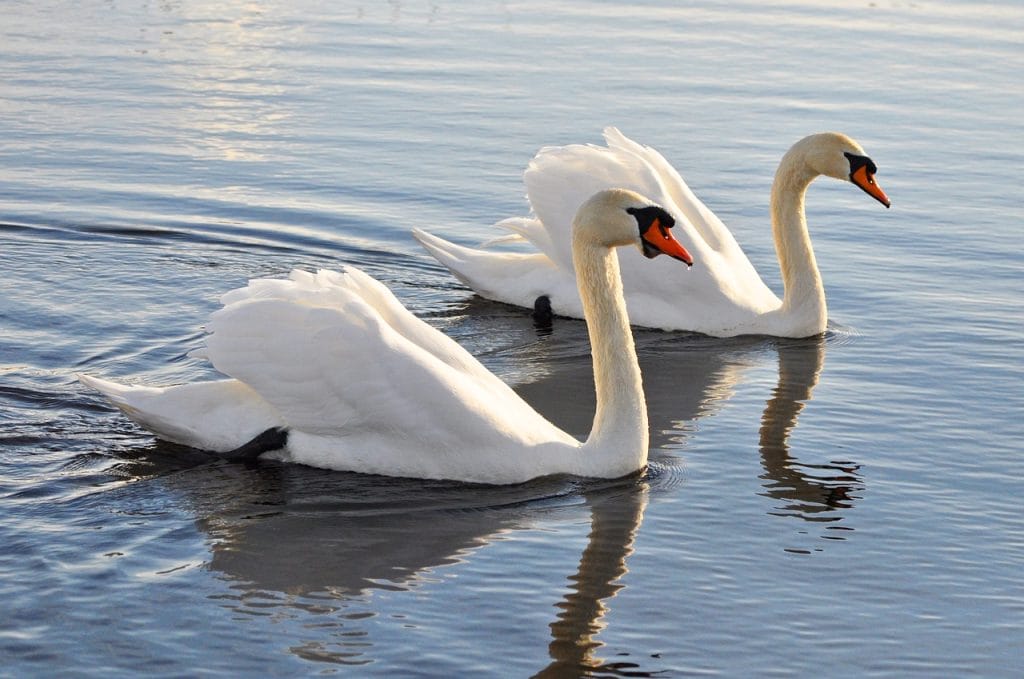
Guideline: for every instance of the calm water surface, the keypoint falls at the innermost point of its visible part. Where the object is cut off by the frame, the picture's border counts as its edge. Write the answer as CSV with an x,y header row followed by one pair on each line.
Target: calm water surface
x,y
845,504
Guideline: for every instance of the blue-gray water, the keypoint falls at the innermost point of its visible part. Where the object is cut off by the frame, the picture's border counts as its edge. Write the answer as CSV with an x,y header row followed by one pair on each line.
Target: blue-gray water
x,y
848,505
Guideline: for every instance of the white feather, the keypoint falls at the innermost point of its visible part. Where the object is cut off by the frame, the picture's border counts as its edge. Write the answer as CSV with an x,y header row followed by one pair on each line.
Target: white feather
x,y
721,295
359,383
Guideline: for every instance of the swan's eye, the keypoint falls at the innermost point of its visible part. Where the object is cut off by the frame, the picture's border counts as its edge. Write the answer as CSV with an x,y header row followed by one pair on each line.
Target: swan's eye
x,y
647,216
857,162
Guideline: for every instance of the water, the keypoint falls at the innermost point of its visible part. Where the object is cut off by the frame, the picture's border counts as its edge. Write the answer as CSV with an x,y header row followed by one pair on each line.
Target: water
x,y
851,503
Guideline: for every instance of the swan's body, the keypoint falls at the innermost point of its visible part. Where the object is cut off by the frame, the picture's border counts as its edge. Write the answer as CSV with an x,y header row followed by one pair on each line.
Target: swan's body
x,y
722,296
358,383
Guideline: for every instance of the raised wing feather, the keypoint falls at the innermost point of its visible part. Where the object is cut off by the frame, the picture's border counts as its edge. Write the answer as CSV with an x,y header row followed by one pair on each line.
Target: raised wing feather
x,y
559,178
721,295
337,355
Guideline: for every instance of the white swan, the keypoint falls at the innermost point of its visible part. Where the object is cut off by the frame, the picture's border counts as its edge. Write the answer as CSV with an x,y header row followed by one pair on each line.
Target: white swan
x,y
332,367
722,296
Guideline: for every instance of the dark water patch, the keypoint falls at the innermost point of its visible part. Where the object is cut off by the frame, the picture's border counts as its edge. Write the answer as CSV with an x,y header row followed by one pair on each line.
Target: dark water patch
x,y
83,462
234,237
309,489
354,532
10,230
302,244
27,397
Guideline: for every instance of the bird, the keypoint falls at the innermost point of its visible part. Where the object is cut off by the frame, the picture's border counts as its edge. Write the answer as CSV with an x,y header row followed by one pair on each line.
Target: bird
x,y
331,370
724,296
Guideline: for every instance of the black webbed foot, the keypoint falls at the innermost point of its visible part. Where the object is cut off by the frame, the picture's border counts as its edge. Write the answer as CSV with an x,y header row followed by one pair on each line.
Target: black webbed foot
x,y
271,439
542,314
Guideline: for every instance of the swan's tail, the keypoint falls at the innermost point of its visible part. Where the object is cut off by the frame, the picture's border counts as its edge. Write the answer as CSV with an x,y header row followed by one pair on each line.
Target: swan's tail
x,y
132,400
219,416
465,263
510,277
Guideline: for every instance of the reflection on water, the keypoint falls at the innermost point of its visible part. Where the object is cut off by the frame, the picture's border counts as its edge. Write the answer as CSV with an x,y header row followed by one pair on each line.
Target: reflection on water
x,y
689,377
295,540
346,533
685,377
320,542
813,492
614,524
317,548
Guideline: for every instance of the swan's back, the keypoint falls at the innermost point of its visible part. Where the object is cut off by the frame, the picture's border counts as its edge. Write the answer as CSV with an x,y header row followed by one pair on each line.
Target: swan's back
x,y
364,384
723,282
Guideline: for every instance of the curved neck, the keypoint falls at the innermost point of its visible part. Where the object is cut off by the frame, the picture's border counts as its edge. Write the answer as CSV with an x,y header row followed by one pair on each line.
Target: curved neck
x,y
618,441
804,293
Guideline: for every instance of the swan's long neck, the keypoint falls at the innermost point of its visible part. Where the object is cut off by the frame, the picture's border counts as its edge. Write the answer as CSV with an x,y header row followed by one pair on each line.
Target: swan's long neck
x,y
617,444
804,294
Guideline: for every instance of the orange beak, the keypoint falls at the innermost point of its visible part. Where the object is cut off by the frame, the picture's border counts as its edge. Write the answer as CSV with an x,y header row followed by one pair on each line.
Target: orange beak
x,y
660,240
866,181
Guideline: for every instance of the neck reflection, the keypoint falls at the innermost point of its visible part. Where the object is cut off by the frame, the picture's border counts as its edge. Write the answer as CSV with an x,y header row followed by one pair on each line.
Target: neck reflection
x,y
813,492
614,524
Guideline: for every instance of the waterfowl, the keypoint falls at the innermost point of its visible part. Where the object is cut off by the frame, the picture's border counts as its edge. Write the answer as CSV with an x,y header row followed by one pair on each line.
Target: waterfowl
x,y
723,296
332,369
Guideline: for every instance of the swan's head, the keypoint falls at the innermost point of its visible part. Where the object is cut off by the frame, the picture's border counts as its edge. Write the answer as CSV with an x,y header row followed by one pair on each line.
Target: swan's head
x,y
838,156
616,217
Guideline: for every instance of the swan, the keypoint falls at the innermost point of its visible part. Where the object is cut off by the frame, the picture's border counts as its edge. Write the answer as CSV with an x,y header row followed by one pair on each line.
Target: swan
x,y
722,297
333,369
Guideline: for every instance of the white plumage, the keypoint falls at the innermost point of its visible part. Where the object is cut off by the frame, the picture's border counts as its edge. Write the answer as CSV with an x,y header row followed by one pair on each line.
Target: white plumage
x,y
723,295
359,383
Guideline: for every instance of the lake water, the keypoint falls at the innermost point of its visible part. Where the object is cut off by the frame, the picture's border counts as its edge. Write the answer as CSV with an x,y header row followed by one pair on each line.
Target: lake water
x,y
851,504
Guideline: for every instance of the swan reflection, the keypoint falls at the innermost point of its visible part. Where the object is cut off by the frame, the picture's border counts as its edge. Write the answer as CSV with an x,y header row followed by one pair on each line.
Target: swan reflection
x,y
614,523
293,540
813,492
688,377
299,539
